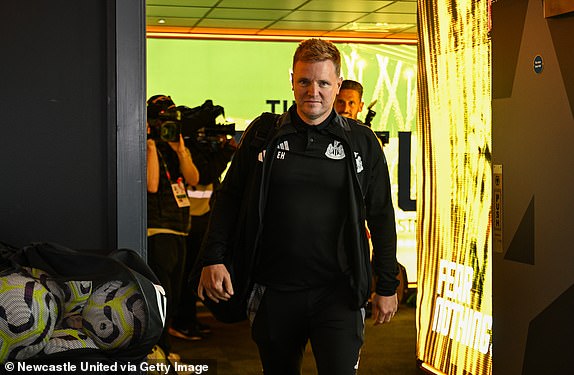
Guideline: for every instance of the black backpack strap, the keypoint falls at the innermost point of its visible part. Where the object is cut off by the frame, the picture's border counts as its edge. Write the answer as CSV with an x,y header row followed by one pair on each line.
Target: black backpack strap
x,y
264,131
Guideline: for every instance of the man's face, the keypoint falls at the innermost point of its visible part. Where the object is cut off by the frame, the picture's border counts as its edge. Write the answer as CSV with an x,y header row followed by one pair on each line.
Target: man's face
x,y
348,103
315,86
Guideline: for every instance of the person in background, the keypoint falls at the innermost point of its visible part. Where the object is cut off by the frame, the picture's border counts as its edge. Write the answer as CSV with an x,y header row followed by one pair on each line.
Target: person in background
x,y
301,206
169,169
349,100
211,158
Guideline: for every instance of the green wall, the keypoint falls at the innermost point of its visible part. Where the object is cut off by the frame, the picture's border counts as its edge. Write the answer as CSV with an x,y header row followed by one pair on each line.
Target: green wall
x,y
242,76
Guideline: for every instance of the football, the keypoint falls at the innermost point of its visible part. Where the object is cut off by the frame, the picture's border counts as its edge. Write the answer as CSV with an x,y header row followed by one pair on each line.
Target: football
x,y
55,287
70,296
28,315
68,339
114,315
76,294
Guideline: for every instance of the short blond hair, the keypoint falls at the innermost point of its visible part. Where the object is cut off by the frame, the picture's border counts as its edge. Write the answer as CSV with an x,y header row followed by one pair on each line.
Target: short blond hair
x,y
316,50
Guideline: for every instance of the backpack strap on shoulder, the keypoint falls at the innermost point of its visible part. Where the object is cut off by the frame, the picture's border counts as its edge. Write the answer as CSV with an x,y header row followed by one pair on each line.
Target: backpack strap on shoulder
x,y
264,131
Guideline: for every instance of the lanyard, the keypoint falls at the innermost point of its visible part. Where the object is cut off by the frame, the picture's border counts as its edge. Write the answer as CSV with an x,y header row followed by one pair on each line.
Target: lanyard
x,y
167,174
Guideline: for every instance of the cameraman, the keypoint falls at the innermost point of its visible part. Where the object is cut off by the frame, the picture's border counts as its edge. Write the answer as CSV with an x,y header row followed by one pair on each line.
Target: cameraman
x,y
211,155
169,169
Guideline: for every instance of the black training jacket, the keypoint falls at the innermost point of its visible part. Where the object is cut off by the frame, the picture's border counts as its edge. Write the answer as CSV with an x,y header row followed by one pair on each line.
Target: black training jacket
x,y
236,219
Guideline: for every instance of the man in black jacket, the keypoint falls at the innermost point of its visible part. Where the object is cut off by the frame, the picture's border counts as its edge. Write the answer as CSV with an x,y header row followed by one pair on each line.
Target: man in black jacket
x,y
293,212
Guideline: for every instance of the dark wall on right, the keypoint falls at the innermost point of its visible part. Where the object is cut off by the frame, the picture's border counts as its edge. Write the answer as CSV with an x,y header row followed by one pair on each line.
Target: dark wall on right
x,y
533,140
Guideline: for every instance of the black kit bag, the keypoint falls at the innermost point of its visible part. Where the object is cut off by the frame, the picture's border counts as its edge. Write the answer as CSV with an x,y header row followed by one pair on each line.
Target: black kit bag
x,y
239,261
110,300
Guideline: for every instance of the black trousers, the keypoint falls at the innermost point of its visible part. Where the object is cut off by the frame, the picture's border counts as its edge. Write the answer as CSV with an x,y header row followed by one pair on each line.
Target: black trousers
x,y
185,314
286,321
166,258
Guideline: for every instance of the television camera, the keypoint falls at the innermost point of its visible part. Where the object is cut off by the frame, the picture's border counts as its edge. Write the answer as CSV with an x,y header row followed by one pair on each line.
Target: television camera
x,y
196,125
382,135
370,113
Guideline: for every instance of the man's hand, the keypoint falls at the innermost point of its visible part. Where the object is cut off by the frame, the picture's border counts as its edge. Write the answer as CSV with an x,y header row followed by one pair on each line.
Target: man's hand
x,y
215,283
384,308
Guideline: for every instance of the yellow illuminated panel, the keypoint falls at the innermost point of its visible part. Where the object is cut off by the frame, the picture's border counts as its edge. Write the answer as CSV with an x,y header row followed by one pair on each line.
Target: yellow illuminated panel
x,y
454,244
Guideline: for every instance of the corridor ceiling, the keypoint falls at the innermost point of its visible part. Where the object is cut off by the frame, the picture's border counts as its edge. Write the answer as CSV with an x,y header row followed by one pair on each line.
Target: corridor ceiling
x,y
362,20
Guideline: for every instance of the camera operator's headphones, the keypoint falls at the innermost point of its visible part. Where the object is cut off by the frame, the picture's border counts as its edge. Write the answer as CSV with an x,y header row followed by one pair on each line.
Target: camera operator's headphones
x,y
158,104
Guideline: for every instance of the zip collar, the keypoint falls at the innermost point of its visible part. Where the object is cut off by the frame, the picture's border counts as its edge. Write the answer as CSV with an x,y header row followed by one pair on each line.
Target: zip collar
x,y
338,126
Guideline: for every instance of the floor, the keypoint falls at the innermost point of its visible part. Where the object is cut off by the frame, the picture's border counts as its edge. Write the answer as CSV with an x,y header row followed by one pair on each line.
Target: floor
x,y
388,350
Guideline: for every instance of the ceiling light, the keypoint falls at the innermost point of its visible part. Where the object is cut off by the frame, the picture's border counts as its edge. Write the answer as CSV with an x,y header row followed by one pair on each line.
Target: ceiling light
x,y
161,21
378,27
